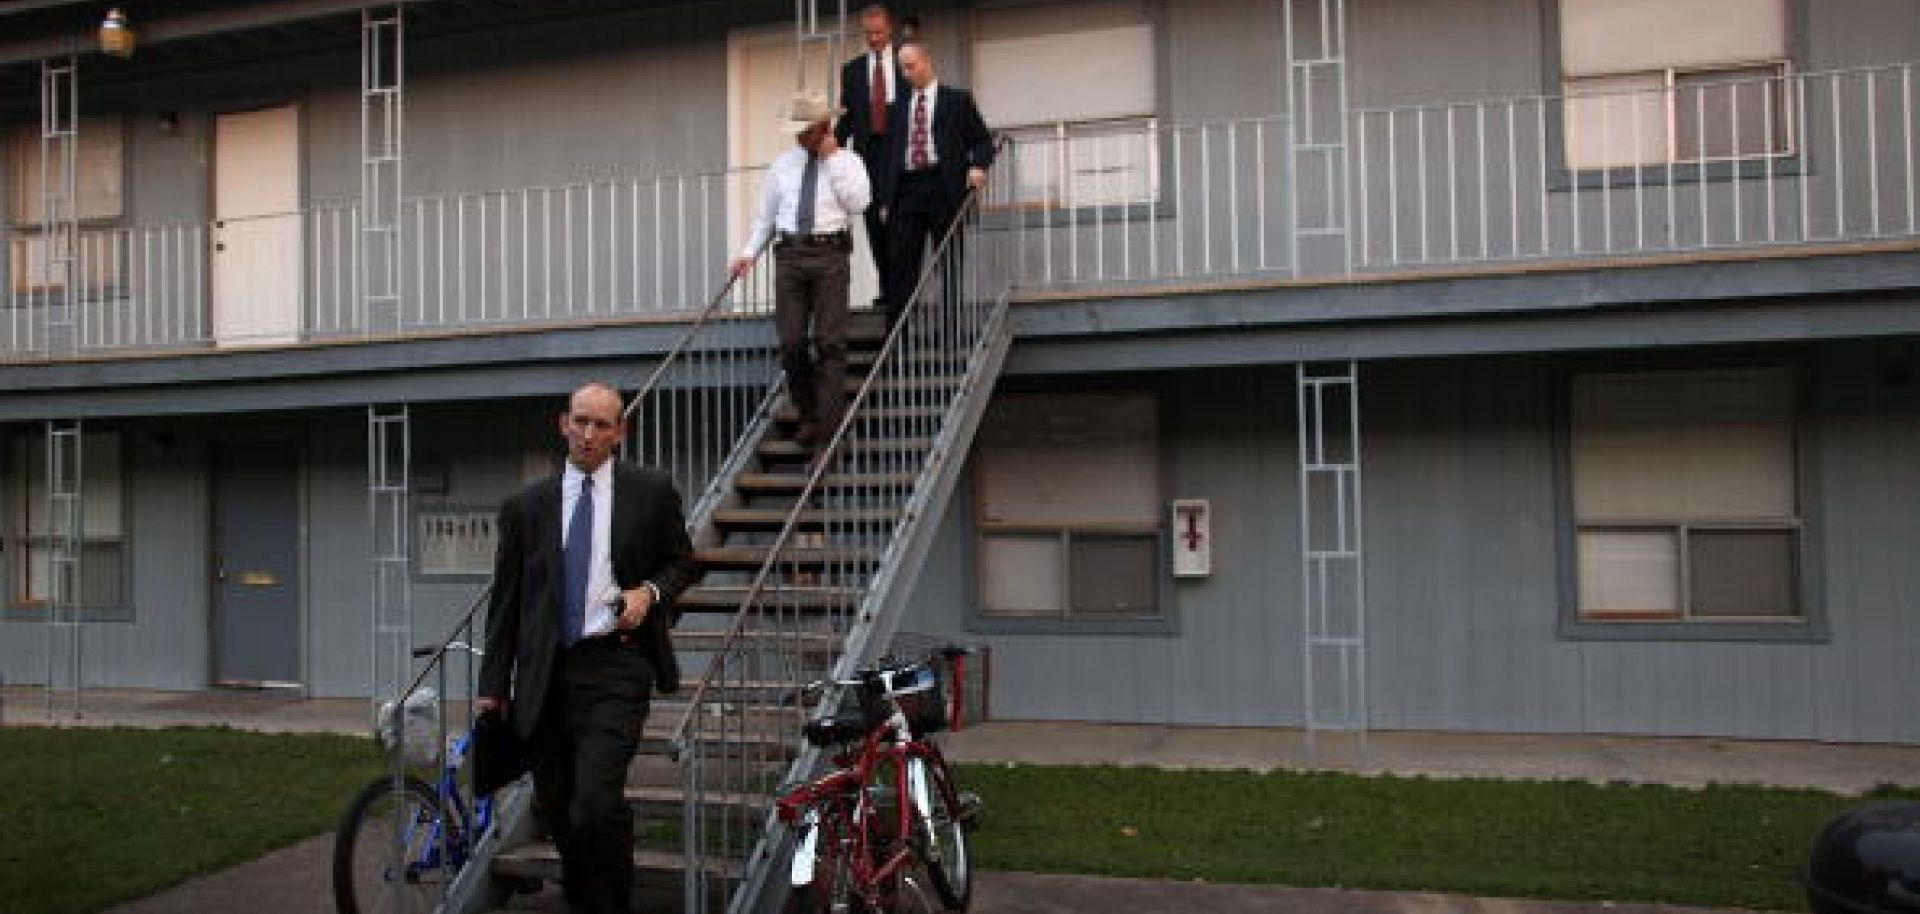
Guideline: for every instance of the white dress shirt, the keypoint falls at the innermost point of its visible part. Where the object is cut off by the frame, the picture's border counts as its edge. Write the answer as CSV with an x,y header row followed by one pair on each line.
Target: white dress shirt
x,y
602,592
932,93
841,193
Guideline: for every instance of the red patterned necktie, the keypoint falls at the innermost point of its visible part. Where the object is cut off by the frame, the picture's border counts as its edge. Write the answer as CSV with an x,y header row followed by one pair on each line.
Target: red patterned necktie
x,y
877,98
917,138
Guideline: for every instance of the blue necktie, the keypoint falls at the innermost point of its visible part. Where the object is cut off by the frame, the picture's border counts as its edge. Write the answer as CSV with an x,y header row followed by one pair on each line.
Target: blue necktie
x,y
579,556
809,176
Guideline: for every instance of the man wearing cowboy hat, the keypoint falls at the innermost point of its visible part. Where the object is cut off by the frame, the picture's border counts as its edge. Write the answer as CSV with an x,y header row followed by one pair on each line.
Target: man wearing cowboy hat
x,y
811,196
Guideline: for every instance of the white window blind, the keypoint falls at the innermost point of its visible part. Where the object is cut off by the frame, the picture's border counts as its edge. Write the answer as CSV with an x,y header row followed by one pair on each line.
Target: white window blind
x,y
1621,36
1063,62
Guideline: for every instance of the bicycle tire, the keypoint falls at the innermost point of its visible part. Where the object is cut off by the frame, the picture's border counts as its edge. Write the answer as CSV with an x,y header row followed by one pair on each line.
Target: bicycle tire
x,y
940,838
831,888
363,847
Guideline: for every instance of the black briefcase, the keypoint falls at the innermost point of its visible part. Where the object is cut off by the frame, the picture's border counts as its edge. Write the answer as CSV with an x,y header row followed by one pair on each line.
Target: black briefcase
x,y
498,757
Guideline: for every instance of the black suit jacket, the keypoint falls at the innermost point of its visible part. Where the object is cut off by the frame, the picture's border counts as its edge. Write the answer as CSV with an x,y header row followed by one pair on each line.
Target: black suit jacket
x,y
649,543
960,140
855,80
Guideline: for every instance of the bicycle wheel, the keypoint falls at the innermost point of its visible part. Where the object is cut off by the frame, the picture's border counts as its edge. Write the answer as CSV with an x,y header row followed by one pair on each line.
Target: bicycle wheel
x,y
821,859
941,831
393,852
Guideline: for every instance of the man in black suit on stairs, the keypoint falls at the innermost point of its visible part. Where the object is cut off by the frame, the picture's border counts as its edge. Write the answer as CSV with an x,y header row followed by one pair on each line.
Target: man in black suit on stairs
x,y
588,565
941,150
870,88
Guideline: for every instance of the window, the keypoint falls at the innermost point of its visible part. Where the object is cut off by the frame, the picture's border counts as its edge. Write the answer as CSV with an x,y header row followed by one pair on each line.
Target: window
x,y
99,174
1685,496
1655,82
1068,507
31,526
455,541
1074,84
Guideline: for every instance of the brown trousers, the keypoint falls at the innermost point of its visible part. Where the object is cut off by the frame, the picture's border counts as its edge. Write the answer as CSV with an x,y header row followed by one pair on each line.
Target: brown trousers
x,y
810,293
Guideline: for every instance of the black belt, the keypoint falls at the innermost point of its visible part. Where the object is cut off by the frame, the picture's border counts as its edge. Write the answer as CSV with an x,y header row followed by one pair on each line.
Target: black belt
x,y
812,237
614,639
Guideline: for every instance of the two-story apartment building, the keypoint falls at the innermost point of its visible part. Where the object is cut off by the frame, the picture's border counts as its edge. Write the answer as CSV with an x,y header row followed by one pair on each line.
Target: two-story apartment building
x,y
1508,365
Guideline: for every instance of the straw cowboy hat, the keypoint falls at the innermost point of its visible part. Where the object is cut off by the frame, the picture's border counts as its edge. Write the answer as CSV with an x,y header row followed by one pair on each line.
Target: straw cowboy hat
x,y
806,110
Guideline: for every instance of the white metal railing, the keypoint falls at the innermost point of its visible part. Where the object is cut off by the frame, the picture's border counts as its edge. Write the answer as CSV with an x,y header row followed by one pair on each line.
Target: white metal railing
x,y
1778,160
563,254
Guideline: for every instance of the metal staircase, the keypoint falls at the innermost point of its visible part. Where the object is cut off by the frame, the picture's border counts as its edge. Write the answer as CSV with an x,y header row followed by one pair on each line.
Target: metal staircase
x,y
808,561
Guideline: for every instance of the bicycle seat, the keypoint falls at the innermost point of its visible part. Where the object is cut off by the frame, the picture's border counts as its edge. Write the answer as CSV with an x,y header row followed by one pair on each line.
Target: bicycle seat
x,y
846,726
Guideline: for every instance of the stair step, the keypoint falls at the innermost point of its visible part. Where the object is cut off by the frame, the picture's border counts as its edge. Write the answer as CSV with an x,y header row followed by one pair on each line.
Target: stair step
x,y
701,639
657,737
750,558
788,414
663,799
794,483
539,860
806,519
779,448
722,596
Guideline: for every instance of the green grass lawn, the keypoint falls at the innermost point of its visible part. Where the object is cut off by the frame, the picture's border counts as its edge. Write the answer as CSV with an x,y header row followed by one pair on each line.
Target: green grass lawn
x,y
93,818
1721,846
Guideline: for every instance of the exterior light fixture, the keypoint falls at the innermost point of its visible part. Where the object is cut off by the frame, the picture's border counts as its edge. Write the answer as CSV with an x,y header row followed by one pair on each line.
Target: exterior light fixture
x,y
115,37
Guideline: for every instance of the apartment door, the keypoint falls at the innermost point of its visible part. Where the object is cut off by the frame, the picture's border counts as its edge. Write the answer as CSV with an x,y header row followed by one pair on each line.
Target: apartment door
x,y
257,230
256,562
761,80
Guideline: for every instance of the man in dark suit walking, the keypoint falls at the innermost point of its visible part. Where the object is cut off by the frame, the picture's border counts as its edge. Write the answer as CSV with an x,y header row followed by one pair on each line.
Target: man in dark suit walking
x,y
941,151
588,566
870,88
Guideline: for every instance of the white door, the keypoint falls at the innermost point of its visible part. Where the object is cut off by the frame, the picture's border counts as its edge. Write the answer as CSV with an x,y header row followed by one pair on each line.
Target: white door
x,y
257,235
761,79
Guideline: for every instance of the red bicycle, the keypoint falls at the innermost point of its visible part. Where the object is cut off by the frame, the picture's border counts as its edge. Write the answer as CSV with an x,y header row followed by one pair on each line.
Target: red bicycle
x,y
885,830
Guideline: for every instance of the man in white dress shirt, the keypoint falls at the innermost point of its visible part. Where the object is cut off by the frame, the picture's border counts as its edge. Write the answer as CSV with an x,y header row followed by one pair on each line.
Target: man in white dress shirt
x,y
811,196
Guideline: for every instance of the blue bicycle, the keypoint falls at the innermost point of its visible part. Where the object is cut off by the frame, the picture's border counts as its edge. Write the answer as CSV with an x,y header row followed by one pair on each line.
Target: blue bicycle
x,y
402,842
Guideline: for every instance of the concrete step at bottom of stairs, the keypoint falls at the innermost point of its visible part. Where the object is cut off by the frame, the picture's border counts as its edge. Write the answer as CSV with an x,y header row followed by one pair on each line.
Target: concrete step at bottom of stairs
x,y
539,860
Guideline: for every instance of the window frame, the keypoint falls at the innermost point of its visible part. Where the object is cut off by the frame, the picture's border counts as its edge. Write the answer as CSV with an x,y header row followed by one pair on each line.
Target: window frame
x,y
1164,620
1563,177
19,543
1809,627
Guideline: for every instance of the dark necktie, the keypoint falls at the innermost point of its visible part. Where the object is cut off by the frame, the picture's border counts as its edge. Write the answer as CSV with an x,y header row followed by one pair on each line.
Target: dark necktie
x,y
578,564
809,176
917,137
877,99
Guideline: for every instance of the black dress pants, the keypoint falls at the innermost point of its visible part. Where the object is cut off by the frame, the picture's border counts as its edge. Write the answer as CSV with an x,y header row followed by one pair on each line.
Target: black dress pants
x,y
587,734
920,216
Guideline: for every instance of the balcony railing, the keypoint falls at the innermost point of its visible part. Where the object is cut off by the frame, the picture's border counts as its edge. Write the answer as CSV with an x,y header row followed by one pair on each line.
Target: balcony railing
x,y
1774,161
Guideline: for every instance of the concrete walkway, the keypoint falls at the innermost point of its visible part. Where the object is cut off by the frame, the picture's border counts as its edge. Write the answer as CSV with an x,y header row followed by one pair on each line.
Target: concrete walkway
x,y
294,880
1681,761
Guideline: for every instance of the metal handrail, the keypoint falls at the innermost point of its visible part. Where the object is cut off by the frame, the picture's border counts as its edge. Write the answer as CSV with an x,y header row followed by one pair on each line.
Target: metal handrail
x,y
814,474
929,373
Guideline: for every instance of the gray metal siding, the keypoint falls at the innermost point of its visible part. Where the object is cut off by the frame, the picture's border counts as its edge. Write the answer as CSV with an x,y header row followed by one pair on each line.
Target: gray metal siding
x,y
1463,576
165,644
1234,657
